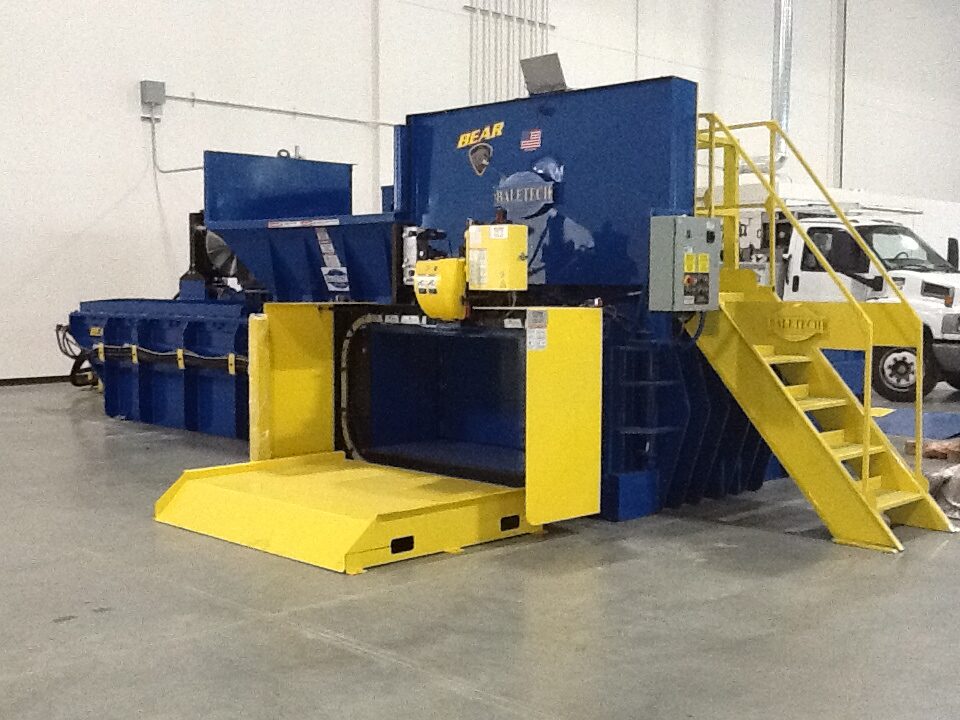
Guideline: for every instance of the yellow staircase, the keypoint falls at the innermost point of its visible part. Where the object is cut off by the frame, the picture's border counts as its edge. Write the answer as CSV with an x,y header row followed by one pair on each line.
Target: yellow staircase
x,y
768,354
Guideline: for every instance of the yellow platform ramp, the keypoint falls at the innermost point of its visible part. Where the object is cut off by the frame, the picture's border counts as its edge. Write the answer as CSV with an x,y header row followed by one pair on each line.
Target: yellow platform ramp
x,y
302,499
340,514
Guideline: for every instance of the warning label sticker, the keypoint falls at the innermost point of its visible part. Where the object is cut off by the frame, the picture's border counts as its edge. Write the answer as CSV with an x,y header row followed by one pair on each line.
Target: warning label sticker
x,y
477,259
536,330
536,339
536,318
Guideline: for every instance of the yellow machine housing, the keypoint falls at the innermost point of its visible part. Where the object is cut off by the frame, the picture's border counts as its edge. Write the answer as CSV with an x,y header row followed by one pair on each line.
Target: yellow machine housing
x,y
496,260
301,497
441,288
497,257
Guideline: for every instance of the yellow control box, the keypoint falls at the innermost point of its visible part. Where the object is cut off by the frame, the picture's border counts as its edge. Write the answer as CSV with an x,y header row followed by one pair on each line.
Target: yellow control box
x,y
497,257
440,287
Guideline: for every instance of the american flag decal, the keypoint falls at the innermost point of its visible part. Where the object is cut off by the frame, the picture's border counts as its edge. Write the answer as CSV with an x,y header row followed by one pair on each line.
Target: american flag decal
x,y
530,139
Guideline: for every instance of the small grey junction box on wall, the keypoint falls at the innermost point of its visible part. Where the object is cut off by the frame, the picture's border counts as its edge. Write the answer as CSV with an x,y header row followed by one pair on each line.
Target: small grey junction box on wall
x,y
684,263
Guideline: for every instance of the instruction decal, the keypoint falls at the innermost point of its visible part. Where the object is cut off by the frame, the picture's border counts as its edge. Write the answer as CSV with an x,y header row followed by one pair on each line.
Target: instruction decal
x,y
536,330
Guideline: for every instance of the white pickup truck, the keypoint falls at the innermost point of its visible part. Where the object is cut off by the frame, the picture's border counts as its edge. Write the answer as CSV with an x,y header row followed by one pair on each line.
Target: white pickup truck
x,y
930,283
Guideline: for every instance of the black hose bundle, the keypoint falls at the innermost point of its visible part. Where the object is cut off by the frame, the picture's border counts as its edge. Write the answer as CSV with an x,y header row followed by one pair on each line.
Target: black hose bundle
x,y
81,376
82,373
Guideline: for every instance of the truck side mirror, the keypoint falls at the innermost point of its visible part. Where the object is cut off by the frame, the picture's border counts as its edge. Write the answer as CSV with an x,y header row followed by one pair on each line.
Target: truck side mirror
x,y
953,253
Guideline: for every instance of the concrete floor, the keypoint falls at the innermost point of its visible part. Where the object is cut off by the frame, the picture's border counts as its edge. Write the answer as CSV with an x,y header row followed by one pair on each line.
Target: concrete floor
x,y
740,609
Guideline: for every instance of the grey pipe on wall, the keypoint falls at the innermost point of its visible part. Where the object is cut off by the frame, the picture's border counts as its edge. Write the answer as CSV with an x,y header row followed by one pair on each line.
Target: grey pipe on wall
x,y
780,84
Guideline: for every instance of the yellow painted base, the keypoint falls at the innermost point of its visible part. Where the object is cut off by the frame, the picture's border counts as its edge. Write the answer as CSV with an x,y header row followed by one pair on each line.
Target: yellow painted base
x,y
340,514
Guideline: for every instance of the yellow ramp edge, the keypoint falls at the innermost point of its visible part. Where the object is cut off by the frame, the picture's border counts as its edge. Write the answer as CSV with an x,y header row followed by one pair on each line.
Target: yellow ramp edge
x,y
339,514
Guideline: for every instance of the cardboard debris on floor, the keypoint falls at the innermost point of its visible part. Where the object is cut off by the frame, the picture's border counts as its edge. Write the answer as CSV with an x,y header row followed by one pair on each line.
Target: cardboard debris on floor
x,y
945,488
936,449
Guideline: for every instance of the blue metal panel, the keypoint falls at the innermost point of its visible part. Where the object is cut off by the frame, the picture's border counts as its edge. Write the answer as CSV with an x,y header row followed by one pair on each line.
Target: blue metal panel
x,y
205,399
216,401
403,401
480,388
849,365
386,198
121,378
452,387
616,156
161,386
254,187
672,432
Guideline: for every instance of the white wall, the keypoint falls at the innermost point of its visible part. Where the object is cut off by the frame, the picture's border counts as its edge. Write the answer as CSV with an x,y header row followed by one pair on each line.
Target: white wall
x,y
903,91
81,218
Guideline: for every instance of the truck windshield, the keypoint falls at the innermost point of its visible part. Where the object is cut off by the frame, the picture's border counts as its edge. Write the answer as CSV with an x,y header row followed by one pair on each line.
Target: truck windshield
x,y
901,249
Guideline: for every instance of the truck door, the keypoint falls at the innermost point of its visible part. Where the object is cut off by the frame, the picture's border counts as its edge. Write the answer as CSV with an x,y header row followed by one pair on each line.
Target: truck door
x,y
807,280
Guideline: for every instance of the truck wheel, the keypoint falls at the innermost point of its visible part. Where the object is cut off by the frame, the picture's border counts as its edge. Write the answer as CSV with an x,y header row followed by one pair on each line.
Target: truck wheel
x,y
895,376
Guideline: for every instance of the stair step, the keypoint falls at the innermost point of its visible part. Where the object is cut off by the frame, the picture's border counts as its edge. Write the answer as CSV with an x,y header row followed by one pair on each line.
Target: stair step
x,y
851,451
834,438
798,391
770,354
786,359
810,404
889,499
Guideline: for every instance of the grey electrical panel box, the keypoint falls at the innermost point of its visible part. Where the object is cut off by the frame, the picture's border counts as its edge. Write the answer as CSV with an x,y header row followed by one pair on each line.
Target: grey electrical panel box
x,y
153,94
684,263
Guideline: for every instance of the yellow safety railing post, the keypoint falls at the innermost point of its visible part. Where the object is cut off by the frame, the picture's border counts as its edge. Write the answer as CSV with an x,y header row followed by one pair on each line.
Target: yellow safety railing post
x,y
731,201
918,414
711,162
771,213
729,206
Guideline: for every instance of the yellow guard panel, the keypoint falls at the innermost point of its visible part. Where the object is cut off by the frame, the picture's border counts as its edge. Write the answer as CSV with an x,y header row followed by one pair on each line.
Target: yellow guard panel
x,y
291,380
563,413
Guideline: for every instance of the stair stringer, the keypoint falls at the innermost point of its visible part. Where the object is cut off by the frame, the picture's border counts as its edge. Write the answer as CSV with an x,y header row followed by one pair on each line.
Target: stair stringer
x,y
792,437
888,465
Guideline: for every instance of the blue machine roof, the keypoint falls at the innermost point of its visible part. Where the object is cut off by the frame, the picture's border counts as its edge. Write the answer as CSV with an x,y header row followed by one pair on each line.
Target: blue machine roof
x,y
585,170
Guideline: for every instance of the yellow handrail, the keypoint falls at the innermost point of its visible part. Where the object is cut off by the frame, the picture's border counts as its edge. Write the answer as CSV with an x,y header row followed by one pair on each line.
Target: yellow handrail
x,y
774,201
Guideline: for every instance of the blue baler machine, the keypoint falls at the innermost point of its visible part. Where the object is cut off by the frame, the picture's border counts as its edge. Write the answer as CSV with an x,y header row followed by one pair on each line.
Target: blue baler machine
x,y
584,171
605,160
410,391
